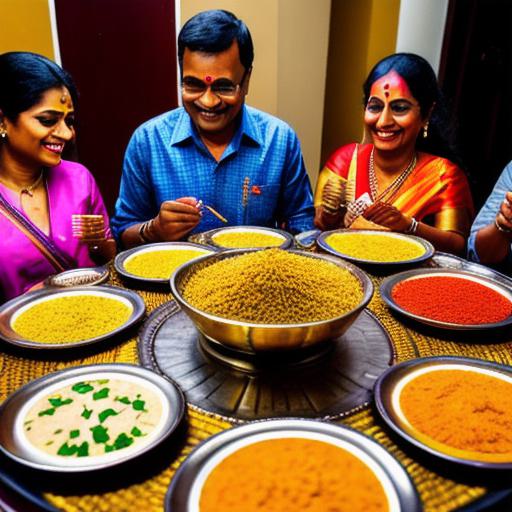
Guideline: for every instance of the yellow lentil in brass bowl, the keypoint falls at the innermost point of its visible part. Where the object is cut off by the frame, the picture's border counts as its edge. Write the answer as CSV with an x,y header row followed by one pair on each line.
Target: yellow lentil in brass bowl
x,y
376,247
69,317
154,263
247,237
272,299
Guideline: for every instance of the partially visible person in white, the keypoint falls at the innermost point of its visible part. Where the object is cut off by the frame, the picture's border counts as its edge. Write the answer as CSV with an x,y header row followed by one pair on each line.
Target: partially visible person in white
x,y
491,233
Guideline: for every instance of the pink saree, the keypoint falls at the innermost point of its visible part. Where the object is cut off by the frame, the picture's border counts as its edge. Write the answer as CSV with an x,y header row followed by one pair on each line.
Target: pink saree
x,y
71,190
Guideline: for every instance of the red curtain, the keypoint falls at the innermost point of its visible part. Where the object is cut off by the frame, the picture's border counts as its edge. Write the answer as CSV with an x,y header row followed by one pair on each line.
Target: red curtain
x,y
122,56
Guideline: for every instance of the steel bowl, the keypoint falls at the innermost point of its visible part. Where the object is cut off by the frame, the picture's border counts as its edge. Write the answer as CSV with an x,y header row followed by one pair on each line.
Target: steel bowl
x,y
254,337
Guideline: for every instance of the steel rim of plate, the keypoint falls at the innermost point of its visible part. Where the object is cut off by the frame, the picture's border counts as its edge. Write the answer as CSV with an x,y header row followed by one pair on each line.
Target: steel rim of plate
x,y
209,236
8,335
168,344
390,282
391,377
124,255
94,275
177,497
173,393
429,249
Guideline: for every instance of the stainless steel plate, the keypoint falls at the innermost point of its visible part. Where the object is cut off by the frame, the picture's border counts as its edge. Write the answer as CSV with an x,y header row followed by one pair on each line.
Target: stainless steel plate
x,y
388,284
79,277
184,491
208,237
13,411
387,395
9,309
424,244
123,257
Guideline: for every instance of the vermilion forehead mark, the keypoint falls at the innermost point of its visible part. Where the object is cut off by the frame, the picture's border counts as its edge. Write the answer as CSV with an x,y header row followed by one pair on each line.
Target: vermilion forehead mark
x,y
208,79
391,83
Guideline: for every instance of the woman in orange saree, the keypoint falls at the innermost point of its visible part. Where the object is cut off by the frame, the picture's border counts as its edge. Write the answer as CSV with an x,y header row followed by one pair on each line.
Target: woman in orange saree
x,y
402,180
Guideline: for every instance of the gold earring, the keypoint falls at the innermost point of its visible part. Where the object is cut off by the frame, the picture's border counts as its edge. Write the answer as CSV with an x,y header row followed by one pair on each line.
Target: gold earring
x,y
425,131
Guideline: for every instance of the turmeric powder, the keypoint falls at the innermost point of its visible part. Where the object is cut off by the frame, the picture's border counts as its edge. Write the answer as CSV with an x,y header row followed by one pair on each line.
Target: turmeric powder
x,y
280,475
462,409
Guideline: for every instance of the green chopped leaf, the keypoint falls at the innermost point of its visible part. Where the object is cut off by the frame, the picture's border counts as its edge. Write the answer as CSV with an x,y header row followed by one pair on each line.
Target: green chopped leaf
x,y
74,433
109,448
100,434
102,381
82,387
67,450
123,399
83,450
138,405
48,443
28,422
136,432
102,393
58,431
58,402
103,415
47,412
86,413
123,441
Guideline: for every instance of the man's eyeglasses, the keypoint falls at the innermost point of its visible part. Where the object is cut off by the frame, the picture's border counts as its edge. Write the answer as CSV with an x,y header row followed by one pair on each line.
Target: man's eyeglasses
x,y
222,87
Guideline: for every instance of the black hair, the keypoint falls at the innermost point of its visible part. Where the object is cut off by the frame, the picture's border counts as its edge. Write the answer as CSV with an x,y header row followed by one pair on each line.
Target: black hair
x,y
214,32
25,77
422,83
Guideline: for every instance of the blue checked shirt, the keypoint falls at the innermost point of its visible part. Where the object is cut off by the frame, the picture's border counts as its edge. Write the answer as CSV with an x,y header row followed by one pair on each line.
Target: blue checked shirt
x,y
260,179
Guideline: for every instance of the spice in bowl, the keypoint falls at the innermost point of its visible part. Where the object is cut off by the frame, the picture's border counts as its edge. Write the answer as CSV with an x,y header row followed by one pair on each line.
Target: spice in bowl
x,y
246,239
159,264
292,474
378,247
71,318
452,299
273,286
463,410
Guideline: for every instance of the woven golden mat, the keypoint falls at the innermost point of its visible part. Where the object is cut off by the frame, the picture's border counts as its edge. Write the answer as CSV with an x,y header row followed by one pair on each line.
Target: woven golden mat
x,y
437,493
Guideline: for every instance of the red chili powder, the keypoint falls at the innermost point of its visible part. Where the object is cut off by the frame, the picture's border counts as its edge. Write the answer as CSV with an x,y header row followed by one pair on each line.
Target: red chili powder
x,y
452,299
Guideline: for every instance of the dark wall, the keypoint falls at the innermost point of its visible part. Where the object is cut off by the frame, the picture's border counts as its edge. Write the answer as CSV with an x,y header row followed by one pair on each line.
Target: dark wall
x,y
476,74
122,56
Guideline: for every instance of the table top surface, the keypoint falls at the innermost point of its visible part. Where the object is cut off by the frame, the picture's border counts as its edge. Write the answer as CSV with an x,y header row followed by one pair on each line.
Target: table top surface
x,y
437,490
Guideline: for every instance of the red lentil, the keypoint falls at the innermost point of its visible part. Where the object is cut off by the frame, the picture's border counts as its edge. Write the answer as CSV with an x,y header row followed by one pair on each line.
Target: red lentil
x,y
452,299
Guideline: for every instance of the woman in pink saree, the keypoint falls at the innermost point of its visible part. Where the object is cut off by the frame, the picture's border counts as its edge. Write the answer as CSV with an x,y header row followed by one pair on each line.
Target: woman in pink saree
x,y
40,192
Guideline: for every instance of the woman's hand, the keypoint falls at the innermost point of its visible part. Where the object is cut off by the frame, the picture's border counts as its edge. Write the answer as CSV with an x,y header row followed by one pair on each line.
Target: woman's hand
x,y
389,216
329,214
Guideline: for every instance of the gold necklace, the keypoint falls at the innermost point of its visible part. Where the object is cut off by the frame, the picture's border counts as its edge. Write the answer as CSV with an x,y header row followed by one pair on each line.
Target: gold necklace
x,y
394,186
30,189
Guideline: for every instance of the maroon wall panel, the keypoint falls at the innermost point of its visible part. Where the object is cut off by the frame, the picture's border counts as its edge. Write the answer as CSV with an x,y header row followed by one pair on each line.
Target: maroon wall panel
x,y
122,56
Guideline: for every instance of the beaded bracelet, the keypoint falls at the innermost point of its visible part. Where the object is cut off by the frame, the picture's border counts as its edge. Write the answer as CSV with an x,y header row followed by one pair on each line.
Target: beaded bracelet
x,y
501,228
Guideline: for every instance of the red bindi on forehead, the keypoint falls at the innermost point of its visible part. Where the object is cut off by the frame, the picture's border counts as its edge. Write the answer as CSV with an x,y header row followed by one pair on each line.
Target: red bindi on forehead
x,y
390,84
208,79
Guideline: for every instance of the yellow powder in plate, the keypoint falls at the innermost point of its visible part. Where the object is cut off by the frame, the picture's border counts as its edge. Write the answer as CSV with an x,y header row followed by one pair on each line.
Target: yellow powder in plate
x,y
375,247
71,318
239,240
273,286
292,474
160,264
466,410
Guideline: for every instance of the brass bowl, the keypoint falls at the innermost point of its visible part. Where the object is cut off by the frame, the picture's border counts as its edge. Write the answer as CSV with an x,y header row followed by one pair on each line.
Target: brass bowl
x,y
253,337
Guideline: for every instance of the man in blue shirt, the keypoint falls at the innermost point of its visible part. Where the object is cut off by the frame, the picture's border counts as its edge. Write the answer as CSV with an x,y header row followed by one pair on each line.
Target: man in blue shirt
x,y
244,163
